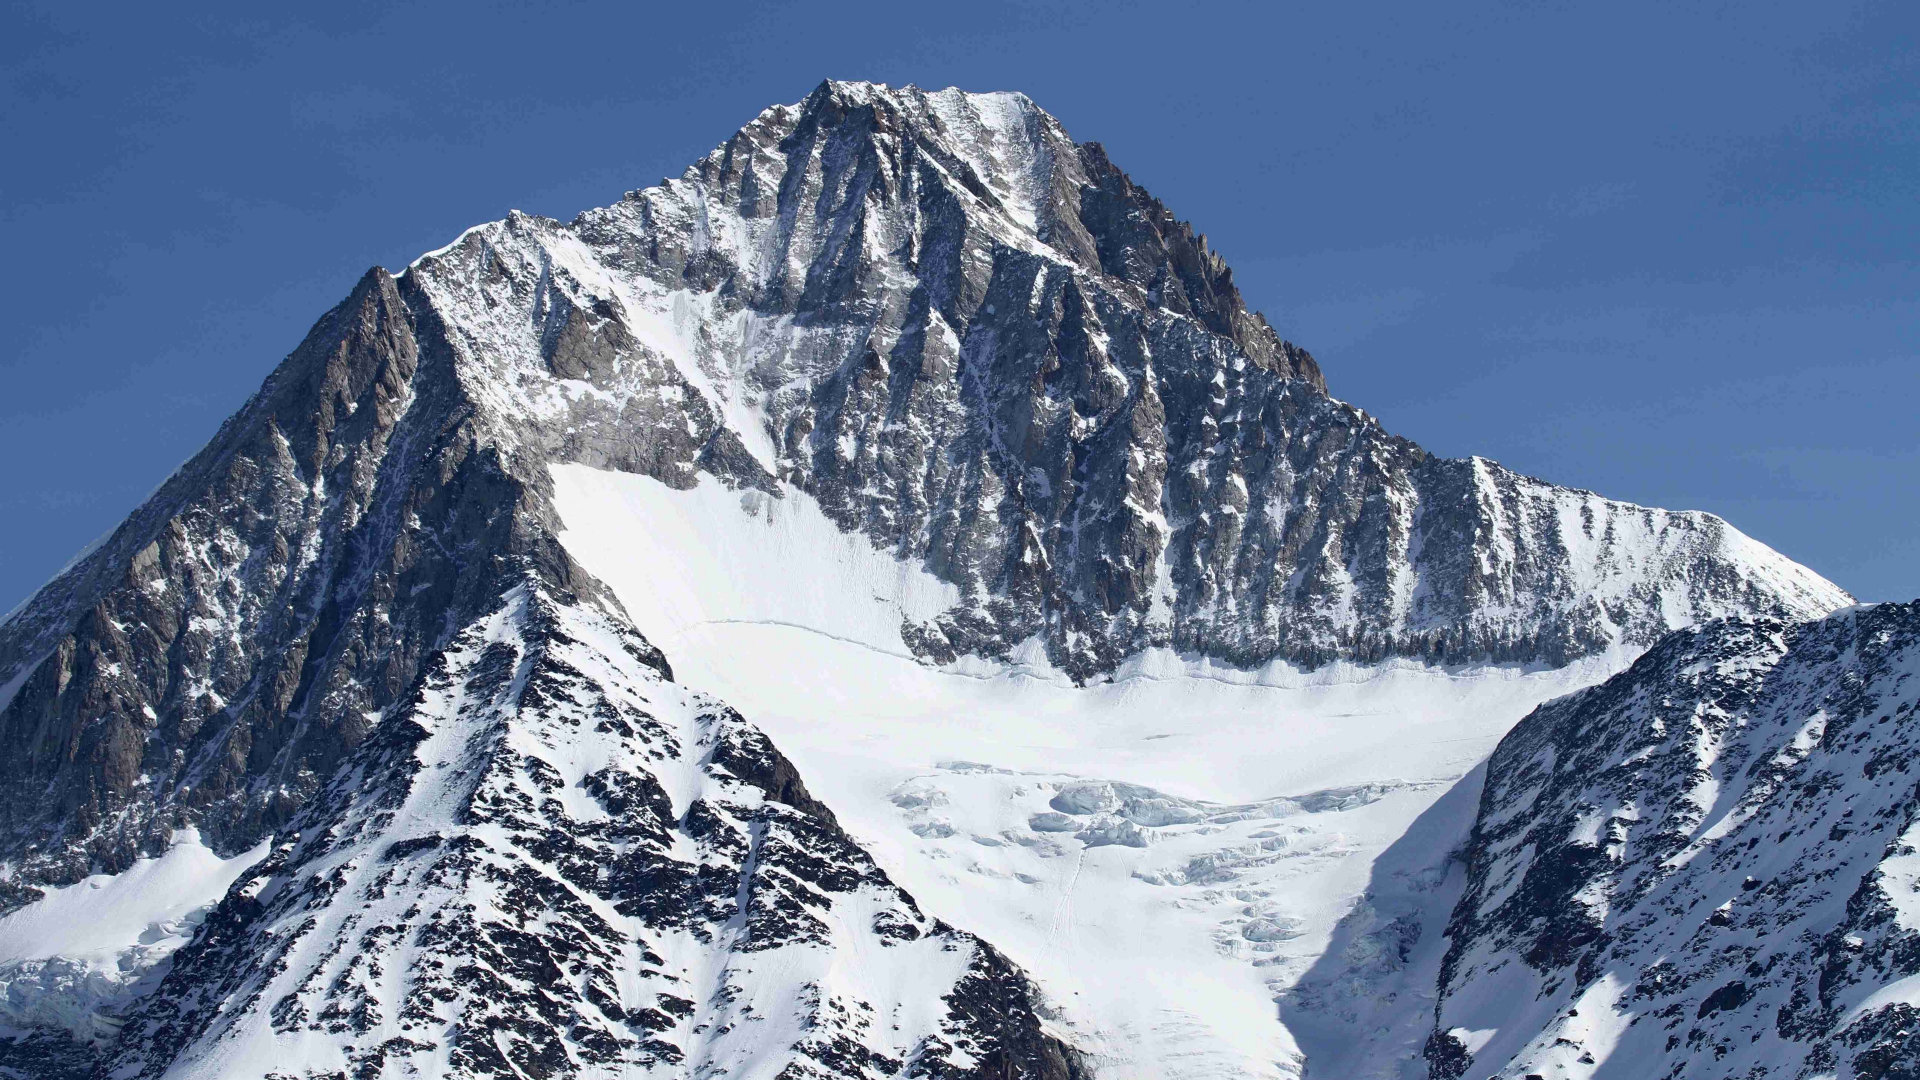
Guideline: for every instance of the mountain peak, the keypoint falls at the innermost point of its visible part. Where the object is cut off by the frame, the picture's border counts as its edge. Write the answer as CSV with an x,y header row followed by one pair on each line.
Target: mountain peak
x,y
981,345
1021,180
972,341
925,377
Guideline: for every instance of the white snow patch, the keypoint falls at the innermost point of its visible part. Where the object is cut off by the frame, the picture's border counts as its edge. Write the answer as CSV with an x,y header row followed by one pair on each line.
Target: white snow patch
x,y
71,958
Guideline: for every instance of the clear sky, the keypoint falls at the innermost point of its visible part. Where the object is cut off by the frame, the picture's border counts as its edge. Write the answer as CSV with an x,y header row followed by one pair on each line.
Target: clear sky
x,y
1666,252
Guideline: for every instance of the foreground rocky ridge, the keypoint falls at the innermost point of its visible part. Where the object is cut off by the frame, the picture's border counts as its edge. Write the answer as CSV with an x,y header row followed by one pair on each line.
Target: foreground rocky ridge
x,y
557,862
1704,867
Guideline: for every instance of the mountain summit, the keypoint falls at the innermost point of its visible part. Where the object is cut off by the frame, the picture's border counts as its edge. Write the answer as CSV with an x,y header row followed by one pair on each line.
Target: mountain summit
x,y
983,347
355,643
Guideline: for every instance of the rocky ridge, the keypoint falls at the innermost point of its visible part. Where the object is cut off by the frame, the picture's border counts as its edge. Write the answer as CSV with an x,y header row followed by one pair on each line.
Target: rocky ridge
x,y
1703,867
555,861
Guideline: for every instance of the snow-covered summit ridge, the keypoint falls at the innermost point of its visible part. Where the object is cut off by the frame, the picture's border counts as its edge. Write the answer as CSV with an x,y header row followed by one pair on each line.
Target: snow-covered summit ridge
x,y
979,344
1020,178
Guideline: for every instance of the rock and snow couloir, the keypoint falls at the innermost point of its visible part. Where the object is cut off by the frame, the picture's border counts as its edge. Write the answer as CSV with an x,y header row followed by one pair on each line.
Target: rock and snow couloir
x,y
925,437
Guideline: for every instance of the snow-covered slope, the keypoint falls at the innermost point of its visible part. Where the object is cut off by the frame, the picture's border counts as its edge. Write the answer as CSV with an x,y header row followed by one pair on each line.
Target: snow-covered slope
x,y
1167,851
558,862
74,960
1704,867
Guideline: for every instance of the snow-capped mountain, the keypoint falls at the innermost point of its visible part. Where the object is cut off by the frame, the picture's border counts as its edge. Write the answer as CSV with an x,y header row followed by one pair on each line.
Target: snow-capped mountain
x,y
1704,867
982,346
923,436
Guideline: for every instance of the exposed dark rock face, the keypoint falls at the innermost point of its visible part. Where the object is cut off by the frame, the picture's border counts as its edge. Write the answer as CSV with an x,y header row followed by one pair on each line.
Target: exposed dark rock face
x,y
223,650
1704,867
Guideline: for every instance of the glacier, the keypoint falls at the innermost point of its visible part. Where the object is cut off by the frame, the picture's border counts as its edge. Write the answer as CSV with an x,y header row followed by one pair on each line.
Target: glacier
x,y
1220,822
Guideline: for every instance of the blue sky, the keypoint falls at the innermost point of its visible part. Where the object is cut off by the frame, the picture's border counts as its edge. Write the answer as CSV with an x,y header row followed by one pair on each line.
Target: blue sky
x,y
1666,252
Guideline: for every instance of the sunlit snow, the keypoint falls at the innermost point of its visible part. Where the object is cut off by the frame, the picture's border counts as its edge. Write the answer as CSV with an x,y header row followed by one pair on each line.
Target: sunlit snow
x,y
70,959
1168,852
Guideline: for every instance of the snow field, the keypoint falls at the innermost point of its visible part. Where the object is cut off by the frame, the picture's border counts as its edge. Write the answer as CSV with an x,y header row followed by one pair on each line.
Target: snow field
x,y
72,958
1167,852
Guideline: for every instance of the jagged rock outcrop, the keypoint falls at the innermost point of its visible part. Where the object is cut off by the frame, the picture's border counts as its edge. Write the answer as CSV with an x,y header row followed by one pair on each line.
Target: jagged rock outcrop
x,y
1704,867
555,862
